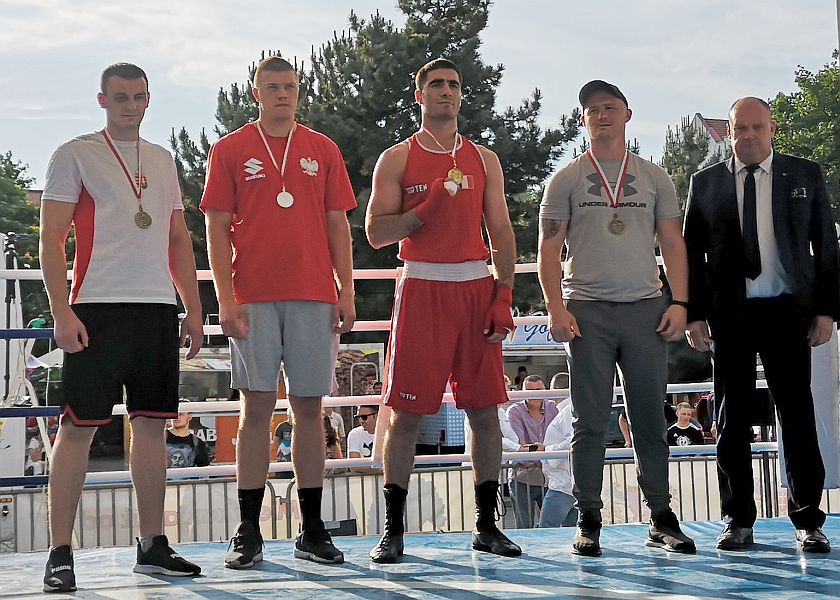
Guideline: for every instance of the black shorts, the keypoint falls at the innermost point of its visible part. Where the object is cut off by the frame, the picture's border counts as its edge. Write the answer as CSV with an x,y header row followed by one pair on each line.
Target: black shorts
x,y
132,346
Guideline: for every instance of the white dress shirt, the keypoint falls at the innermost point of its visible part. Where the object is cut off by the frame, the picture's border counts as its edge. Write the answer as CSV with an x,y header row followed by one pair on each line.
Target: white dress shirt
x,y
558,436
773,280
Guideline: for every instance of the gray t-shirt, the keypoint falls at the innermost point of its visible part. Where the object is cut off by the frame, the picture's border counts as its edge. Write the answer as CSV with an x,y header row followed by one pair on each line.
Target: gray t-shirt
x,y
601,265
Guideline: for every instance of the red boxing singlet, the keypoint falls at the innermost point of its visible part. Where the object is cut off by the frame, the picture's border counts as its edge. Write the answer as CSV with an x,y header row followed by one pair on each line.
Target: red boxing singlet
x,y
453,236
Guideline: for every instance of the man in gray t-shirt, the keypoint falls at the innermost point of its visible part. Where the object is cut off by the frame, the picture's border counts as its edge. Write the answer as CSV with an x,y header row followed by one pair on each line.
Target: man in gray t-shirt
x,y
607,207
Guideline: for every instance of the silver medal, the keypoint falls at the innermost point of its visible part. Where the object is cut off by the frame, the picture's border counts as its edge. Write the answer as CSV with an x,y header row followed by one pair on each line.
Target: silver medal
x,y
285,199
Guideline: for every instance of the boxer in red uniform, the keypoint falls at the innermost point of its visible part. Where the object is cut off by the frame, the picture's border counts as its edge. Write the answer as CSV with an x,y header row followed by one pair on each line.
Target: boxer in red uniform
x,y
430,194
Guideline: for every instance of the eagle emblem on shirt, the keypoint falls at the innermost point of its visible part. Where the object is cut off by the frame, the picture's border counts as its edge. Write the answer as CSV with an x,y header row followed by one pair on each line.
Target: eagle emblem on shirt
x,y
309,166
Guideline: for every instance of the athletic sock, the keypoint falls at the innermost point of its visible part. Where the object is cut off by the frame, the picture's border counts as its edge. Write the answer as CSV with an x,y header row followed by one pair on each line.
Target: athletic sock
x,y
250,504
146,542
310,507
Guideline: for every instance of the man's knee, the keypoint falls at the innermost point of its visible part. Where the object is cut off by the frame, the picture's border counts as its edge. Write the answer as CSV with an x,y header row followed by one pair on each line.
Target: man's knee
x,y
74,435
483,420
257,408
147,428
305,410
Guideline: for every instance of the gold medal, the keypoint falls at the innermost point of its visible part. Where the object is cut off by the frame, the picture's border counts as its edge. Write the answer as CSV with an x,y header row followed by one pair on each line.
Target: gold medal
x,y
616,226
455,174
142,219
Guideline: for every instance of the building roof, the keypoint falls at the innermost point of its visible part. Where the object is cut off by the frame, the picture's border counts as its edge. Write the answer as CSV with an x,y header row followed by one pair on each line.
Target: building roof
x,y
716,128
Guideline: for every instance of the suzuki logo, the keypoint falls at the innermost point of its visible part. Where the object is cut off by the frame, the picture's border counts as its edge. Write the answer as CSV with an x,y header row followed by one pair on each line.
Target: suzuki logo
x,y
253,166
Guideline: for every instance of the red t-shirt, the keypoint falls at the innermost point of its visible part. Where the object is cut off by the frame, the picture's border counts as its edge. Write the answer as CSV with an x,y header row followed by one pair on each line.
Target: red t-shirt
x,y
279,253
453,235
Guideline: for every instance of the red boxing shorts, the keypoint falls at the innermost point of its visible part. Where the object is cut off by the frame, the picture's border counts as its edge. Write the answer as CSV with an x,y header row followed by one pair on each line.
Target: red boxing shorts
x,y
437,335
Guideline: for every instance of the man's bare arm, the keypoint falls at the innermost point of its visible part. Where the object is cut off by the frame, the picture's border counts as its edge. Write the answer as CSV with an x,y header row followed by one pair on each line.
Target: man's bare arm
x,y
385,223
562,323
220,253
341,253
497,221
182,269
56,219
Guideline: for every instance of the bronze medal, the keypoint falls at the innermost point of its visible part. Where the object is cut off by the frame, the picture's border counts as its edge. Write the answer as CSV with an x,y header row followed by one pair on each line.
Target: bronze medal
x,y
455,174
616,226
142,219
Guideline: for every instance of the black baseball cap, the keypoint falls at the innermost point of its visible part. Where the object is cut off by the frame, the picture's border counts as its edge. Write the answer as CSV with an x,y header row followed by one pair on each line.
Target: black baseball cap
x,y
598,85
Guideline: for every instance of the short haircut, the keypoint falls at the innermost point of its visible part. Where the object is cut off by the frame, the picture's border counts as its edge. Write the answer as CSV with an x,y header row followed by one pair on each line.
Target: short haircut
x,y
683,405
274,64
372,407
438,63
533,379
124,71
739,100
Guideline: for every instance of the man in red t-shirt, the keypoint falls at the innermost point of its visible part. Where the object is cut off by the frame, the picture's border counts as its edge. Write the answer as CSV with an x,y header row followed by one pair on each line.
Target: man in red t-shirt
x,y
430,194
279,244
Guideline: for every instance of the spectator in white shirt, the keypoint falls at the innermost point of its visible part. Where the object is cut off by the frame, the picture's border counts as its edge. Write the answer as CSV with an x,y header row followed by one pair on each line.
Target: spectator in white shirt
x,y
360,439
558,509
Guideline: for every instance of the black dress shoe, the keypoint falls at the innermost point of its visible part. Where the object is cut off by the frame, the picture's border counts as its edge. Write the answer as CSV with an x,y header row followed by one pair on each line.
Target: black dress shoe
x,y
735,538
587,540
388,550
490,539
812,540
665,533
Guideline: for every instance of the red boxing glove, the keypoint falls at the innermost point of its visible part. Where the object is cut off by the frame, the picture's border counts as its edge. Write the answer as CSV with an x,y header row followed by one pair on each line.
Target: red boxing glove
x,y
434,202
499,318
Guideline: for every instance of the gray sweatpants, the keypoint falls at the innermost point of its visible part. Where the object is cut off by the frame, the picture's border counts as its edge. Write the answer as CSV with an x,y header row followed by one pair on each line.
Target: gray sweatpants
x,y
622,333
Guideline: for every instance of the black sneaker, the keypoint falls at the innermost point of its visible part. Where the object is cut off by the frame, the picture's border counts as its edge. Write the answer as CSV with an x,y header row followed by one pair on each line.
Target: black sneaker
x,y
665,533
246,547
58,574
160,559
316,545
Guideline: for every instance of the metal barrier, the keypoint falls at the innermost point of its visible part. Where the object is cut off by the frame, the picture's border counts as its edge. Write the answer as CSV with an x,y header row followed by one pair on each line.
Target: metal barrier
x,y
440,499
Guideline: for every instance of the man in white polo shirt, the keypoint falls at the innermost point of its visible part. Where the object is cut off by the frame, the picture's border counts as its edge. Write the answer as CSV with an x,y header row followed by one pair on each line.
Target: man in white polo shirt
x,y
119,329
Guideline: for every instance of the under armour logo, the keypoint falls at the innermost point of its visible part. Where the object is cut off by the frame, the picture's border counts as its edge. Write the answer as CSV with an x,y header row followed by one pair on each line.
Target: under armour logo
x,y
597,186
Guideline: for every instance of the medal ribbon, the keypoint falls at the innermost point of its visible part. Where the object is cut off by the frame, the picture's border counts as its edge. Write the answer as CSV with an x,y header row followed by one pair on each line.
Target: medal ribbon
x,y
136,186
281,170
612,194
454,147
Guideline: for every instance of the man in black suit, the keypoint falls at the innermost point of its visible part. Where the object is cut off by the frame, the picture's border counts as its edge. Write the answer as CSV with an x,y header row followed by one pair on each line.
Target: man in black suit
x,y
763,279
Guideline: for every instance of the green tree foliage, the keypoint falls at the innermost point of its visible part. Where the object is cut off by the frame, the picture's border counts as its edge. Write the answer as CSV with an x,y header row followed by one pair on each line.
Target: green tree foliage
x,y
20,217
808,122
358,89
17,215
686,152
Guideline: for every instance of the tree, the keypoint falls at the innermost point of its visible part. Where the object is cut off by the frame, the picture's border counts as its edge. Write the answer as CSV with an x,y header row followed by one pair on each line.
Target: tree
x,y
686,152
808,122
20,217
17,215
358,89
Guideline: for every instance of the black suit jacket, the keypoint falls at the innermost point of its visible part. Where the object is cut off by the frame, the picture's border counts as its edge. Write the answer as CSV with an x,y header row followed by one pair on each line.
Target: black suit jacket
x,y
804,229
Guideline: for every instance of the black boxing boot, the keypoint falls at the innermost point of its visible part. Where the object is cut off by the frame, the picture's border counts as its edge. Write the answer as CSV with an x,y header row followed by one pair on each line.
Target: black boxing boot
x,y
487,537
390,546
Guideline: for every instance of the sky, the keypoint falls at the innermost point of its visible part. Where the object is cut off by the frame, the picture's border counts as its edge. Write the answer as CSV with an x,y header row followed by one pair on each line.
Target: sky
x,y
671,58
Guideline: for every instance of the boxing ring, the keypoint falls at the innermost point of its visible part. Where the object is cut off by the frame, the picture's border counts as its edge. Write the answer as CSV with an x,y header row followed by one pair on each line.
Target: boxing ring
x,y
443,566
439,564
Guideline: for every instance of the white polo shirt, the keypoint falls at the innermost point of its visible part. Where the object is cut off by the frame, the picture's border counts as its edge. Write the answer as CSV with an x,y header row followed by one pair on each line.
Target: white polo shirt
x,y
116,261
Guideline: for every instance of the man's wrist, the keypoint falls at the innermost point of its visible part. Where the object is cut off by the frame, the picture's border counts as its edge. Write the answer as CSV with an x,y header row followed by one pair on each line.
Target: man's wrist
x,y
682,303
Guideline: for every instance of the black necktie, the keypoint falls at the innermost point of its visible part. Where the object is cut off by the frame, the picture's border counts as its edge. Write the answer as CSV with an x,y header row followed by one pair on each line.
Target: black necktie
x,y
750,227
